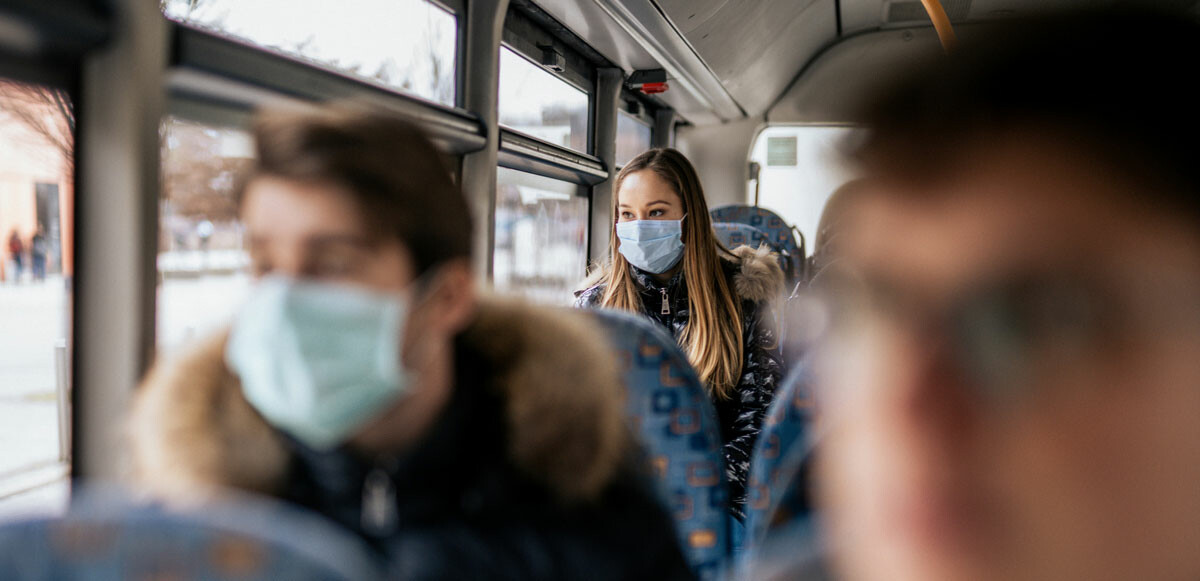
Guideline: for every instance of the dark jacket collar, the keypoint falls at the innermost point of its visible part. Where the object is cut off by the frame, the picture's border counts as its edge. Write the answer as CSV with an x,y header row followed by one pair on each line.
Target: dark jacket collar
x,y
647,281
458,468
552,385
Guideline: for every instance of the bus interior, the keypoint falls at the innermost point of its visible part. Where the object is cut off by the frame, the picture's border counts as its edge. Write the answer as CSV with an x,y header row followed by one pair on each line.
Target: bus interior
x,y
124,126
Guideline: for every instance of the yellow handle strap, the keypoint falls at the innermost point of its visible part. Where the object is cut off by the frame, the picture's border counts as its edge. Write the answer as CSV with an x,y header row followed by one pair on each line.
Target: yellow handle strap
x,y
941,23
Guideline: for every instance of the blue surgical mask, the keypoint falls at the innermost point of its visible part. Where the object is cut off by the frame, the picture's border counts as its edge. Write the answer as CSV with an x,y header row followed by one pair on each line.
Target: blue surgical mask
x,y
319,361
651,245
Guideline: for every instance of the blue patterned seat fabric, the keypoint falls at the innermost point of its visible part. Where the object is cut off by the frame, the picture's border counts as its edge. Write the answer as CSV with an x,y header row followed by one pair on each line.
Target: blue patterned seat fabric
x,y
733,234
669,409
777,483
104,537
779,234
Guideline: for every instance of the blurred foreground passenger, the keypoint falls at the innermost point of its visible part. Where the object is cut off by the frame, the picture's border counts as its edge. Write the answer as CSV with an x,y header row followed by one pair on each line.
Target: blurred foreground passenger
x,y
665,263
1012,381
462,438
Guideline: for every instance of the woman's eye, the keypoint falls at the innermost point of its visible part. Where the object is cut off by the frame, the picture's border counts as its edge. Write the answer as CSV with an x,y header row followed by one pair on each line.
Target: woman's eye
x,y
656,213
626,215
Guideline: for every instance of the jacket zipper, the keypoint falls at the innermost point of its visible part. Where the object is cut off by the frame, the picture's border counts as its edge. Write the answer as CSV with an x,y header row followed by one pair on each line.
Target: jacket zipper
x,y
666,305
379,514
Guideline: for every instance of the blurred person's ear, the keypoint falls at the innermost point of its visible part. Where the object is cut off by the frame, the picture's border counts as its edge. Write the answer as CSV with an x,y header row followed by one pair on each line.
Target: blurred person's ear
x,y
451,299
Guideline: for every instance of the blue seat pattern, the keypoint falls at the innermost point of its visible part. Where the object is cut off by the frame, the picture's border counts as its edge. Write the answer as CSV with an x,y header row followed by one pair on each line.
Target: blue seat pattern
x,y
775,486
115,540
669,409
732,234
779,233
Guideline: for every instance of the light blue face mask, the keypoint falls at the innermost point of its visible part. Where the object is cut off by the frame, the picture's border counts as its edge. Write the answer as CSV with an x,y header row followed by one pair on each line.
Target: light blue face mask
x,y
319,361
651,245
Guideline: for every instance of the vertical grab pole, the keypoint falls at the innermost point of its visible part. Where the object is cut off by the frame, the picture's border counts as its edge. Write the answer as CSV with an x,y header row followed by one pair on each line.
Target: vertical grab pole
x,y
941,23
62,376
481,93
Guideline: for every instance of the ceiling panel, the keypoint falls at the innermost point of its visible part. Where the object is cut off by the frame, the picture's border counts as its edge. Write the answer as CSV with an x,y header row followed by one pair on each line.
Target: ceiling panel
x,y
864,15
591,23
754,47
835,85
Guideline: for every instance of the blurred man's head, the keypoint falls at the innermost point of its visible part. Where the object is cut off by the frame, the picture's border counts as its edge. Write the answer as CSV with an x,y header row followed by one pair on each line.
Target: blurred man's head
x,y
350,205
370,177
1012,382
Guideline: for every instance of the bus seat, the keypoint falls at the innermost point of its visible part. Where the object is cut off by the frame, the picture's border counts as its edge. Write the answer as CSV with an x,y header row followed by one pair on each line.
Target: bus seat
x,y
795,550
734,234
106,537
669,409
777,484
779,234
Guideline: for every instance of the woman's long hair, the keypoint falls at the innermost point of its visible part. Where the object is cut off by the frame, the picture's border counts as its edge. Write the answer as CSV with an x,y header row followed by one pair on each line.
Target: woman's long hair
x,y
713,336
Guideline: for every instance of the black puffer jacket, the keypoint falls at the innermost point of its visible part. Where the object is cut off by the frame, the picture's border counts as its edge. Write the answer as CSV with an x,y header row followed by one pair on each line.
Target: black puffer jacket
x,y
529,472
463,511
758,281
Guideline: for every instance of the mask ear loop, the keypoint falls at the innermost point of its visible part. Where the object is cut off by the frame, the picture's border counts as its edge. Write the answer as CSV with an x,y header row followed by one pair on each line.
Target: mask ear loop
x,y
421,288
418,294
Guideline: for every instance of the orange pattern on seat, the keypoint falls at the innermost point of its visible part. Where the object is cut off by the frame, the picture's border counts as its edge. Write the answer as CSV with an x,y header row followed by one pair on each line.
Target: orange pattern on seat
x,y
702,539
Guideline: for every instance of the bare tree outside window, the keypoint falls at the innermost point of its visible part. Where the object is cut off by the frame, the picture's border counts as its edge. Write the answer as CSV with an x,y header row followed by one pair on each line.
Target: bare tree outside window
x,y
409,45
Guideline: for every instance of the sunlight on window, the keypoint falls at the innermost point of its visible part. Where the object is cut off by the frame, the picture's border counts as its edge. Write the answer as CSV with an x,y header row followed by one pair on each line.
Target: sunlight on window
x,y
37,153
801,168
535,102
201,261
541,236
403,44
633,137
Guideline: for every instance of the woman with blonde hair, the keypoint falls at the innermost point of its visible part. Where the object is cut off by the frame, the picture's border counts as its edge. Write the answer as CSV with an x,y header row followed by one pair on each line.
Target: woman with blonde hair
x,y
665,263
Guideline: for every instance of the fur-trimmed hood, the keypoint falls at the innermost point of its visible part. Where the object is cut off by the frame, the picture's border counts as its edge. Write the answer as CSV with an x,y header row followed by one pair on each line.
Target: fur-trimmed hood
x,y
758,277
192,432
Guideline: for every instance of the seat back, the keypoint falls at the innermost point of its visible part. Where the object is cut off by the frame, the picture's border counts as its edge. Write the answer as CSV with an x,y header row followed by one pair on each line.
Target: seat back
x,y
780,235
669,409
777,484
734,234
246,539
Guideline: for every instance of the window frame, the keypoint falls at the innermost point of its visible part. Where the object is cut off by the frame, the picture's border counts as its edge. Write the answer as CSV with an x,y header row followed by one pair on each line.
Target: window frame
x,y
209,73
47,43
582,192
526,28
644,117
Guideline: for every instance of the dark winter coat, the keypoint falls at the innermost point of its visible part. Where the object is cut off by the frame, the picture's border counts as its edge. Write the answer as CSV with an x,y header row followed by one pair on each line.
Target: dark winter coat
x,y
528,473
758,283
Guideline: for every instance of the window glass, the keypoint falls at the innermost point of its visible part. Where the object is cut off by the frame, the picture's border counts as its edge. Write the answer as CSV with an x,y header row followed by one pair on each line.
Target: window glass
x,y
403,44
633,137
535,102
541,236
202,267
801,168
37,155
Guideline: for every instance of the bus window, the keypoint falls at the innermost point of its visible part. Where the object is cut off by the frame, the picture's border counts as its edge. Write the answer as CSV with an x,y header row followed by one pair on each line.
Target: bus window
x,y
537,103
407,45
541,236
36,226
633,137
201,262
801,168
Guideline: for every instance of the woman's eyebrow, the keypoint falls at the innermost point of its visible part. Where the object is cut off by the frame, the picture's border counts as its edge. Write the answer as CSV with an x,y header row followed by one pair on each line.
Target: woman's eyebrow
x,y
665,202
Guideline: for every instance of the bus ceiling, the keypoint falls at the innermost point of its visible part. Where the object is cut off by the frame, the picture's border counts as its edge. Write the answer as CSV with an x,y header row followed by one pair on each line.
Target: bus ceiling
x,y
731,59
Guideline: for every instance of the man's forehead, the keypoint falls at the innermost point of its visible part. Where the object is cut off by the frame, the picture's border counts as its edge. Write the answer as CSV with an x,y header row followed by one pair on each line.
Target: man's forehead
x,y
951,233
